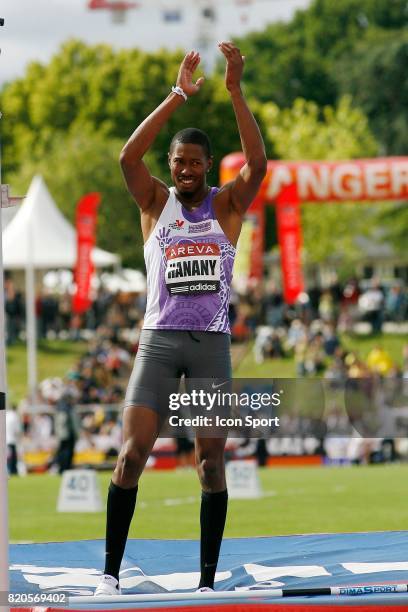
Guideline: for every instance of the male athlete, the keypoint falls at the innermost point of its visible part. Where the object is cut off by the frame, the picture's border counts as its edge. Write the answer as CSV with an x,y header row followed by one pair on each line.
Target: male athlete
x,y
190,232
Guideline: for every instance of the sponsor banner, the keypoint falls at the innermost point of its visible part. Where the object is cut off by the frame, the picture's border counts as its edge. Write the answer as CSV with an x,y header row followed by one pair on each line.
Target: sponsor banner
x,y
290,243
288,562
193,268
86,226
362,180
243,257
256,214
331,181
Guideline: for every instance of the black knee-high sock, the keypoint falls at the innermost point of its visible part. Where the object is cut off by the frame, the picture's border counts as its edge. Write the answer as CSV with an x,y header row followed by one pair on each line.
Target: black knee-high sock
x,y
212,519
120,507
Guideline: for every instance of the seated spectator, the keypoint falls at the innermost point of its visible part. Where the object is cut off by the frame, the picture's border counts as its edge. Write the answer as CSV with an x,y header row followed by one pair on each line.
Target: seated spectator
x,y
356,368
314,355
336,370
297,332
300,356
268,344
396,304
331,340
326,307
371,304
116,359
274,307
405,360
379,361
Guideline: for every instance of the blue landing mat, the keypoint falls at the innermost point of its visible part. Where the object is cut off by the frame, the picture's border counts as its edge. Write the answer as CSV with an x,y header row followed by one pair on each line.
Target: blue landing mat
x,y
154,566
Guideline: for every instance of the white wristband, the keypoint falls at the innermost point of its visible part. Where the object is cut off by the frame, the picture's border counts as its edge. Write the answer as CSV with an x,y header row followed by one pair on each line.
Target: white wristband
x,y
179,91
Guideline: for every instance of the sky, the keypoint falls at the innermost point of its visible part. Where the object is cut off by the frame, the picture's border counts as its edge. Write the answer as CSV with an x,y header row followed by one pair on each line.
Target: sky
x,y
35,29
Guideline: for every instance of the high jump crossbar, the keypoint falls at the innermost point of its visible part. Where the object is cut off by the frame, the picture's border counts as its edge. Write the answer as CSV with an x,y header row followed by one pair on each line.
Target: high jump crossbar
x,y
348,591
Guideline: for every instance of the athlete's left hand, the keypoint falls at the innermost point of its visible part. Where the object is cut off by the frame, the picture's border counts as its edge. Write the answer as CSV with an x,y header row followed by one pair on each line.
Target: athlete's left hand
x,y
235,65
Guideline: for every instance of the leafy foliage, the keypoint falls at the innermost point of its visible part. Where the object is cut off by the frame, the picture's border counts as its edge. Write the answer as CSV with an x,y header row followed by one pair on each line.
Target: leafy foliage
x,y
342,132
375,74
356,47
78,163
68,121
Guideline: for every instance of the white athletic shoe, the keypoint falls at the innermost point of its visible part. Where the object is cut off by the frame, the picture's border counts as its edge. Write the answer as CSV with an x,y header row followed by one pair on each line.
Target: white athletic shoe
x,y
108,586
205,590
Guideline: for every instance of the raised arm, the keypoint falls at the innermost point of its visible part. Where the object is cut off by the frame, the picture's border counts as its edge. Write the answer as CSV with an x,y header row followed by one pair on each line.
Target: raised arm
x,y
244,188
141,184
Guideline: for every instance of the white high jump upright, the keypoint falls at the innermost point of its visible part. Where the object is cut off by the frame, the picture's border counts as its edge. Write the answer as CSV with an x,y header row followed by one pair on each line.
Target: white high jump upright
x,y
4,578
4,565
4,583
5,201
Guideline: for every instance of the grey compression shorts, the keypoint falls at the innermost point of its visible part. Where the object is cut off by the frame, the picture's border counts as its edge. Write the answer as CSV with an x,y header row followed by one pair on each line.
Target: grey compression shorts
x,y
164,356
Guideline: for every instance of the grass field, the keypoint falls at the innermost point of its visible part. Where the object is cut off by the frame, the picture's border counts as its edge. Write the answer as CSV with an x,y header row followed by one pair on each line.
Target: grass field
x,y
54,358
297,500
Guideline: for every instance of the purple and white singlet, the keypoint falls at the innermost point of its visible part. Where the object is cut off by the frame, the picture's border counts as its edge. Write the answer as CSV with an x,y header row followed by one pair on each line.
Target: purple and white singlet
x,y
189,264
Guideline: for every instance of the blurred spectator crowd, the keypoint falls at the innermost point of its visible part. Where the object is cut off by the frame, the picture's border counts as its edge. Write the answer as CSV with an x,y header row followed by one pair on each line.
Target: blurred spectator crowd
x,y
308,331
344,306
55,318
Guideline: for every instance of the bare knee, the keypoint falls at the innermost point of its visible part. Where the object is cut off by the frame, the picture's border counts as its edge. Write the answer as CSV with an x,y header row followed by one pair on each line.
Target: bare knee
x,y
211,472
130,465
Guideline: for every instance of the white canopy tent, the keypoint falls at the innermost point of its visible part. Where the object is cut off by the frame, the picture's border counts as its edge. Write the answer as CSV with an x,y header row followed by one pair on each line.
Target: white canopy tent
x,y
39,237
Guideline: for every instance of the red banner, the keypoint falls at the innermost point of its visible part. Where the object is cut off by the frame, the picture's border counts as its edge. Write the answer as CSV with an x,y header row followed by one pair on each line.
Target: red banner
x,y
256,213
290,242
379,179
86,230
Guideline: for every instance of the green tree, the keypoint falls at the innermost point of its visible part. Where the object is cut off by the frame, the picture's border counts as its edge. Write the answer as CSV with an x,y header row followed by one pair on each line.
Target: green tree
x,y
69,119
82,162
298,59
110,92
341,132
281,67
374,72
332,28
393,219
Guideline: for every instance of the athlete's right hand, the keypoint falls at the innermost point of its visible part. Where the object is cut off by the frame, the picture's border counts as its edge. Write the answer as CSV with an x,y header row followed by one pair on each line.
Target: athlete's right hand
x,y
185,74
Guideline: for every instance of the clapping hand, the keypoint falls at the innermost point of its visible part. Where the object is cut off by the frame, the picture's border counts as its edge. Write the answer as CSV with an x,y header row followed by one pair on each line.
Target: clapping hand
x,y
235,65
185,74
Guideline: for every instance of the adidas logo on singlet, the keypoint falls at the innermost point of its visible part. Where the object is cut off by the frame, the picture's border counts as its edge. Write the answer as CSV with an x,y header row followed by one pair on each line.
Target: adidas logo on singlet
x,y
195,287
